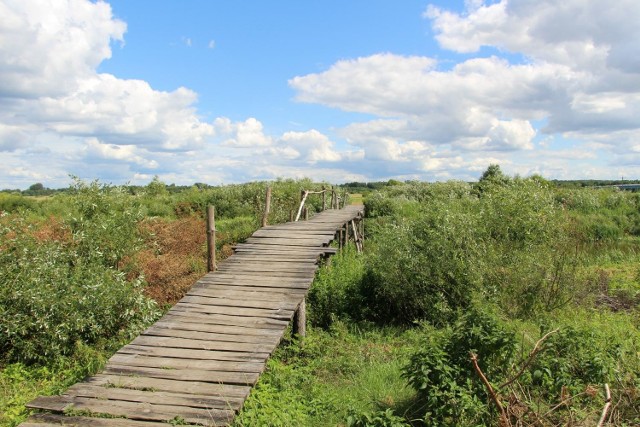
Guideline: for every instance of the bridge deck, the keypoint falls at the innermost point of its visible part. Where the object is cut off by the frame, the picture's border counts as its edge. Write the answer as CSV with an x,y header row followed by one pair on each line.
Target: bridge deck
x,y
197,364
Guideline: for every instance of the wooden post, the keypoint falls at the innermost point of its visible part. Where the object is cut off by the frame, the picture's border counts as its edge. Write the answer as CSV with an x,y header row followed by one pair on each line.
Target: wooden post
x,y
305,210
300,319
211,238
291,215
361,224
346,234
267,207
324,198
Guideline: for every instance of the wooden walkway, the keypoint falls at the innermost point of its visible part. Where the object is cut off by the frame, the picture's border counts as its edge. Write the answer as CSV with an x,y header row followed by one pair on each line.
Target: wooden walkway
x,y
197,364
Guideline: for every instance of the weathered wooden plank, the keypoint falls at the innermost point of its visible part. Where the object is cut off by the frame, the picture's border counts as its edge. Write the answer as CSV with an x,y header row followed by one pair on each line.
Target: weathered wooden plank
x,y
258,290
268,266
267,273
157,397
187,324
231,356
283,258
224,319
290,233
281,314
303,250
160,384
220,291
286,260
239,378
223,300
210,336
312,243
55,420
138,411
263,349
264,279
280,250
257,281
181,363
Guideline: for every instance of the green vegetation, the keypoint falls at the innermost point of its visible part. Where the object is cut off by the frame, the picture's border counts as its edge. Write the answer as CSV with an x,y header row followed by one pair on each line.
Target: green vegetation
x,y
533,285
538,284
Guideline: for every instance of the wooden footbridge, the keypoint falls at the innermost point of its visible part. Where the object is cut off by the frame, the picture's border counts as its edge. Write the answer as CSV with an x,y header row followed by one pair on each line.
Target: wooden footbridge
x,y
197,364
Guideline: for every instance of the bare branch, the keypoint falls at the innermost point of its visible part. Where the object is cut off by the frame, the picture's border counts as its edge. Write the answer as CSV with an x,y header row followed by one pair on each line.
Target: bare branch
x,y
607,405
504,419
536,349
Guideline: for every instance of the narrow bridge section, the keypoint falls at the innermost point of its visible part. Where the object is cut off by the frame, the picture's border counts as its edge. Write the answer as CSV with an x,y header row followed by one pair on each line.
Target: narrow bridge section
x,y
197,364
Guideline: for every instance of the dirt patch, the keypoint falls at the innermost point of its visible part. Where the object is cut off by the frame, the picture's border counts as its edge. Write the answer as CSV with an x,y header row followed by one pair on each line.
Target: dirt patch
x,y
175,257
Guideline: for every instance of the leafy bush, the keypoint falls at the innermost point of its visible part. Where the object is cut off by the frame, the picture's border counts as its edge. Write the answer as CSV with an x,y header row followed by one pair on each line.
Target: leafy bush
x,y
49,300
55,292
425,268
443,376
15,202
104,223
335,293
380,418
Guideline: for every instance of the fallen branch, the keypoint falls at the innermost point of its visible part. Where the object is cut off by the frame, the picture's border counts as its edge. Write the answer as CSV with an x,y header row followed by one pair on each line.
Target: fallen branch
x,y
504,419
536,349
607,405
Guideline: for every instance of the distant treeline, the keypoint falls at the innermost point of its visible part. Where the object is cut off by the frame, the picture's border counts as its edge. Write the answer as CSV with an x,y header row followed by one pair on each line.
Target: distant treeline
x,y
38,189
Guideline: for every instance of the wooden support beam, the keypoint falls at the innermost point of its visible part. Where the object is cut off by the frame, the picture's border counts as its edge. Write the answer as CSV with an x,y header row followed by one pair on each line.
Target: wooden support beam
x,y
300,319
267,207
211,238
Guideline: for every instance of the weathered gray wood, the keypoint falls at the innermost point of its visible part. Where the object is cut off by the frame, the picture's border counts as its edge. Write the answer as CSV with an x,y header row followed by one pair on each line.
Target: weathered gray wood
x,y
178,323
235,311
240,378
158,331
238,302
258,349
294,243
54,420
158,351
292,234
137,411
158,397
267,207
300,319
211,238
180,363
224,319
161,384
258,281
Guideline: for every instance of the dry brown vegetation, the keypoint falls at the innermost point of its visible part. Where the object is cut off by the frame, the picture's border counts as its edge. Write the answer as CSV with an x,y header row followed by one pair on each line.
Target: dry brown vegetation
x,y
174,257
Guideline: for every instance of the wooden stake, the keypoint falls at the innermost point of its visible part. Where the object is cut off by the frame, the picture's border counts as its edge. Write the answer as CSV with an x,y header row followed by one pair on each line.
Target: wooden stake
x,y
267,207
300,319
346,234
324,198
211,238
306,213
291,215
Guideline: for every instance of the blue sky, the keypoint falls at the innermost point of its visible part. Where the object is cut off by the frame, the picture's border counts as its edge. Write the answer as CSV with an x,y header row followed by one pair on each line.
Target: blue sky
x,y
222,92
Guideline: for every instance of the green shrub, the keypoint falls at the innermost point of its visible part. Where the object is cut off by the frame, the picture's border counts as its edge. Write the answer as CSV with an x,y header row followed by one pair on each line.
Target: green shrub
x,y
50,298
335,293
442,373
380,418
54,293
14,202
425,268
104,223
